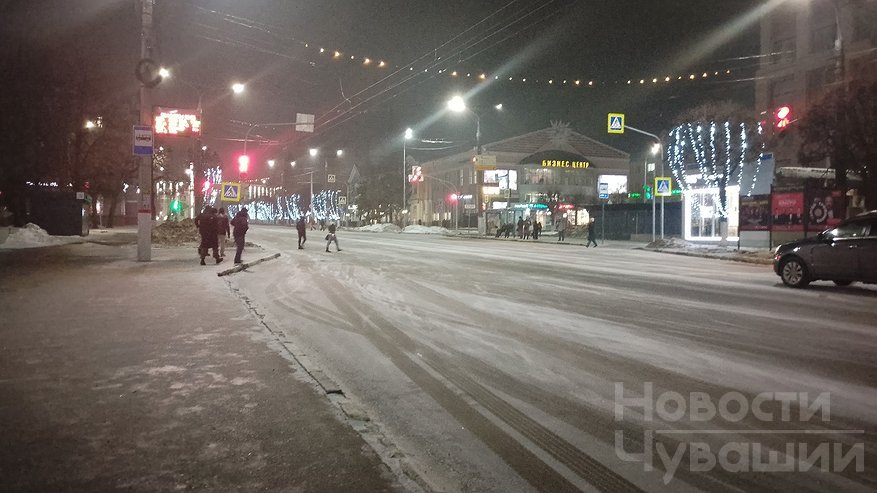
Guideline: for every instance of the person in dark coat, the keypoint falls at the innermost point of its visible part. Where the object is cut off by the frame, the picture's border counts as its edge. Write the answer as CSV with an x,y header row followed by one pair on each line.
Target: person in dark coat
x,y
240,223
223,230
521,228
537,230
302,229
331,237
207,228
592,234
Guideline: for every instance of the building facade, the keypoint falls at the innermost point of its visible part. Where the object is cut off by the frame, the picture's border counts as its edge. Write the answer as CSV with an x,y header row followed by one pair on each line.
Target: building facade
x,y
807,49
517,177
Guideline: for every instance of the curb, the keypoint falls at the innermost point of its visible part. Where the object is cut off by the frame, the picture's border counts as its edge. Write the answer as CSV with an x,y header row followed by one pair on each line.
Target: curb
x,y
745,260
243,266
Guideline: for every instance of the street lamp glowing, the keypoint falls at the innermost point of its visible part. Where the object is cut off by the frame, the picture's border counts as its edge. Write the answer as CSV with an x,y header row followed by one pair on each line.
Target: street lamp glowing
x,y
271,163
498,107
339,152
409,134
90,124
313,152
237,88
655,149
164,73
456,104
292,163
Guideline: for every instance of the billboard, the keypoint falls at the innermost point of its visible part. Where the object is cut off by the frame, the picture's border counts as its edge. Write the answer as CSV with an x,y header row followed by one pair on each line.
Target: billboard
x,y
177,122
824,208
787,211
754,213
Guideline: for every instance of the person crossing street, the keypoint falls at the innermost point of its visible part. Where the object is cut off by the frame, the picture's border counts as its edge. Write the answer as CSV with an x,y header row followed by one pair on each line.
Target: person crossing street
x,y
332,237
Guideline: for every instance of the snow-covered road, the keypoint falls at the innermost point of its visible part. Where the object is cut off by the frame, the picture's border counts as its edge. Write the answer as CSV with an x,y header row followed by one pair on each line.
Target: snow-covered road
x,y
496,366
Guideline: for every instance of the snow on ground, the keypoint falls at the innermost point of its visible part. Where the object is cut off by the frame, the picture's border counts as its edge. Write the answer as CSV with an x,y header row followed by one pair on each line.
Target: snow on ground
x,y
380,228
425,230
33,236
711,250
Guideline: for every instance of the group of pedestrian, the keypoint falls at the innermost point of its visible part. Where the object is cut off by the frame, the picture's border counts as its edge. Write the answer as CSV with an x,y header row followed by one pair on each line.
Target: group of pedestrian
x,y
215,228
527,228
301,227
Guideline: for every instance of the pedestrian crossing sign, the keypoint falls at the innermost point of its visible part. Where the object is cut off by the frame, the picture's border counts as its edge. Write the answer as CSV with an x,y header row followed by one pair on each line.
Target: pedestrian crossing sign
x,y
616,123
231,192
663,186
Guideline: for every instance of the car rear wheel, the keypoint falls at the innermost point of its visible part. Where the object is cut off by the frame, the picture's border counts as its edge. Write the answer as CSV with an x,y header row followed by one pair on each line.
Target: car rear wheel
x,y
794,273
843,283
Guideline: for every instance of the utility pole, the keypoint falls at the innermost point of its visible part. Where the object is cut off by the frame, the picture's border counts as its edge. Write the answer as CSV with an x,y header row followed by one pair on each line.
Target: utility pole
x,y
145,212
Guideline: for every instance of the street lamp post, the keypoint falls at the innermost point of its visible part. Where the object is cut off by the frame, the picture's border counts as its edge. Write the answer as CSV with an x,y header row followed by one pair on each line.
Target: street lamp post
x,y
458,105
408,135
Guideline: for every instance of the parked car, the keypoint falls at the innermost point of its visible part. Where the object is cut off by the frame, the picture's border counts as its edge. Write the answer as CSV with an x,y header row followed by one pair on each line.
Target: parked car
x,y
844,254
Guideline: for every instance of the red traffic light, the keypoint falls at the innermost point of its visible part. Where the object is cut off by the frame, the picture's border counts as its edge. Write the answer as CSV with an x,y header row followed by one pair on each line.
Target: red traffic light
x,y
453,197
782,117
243,165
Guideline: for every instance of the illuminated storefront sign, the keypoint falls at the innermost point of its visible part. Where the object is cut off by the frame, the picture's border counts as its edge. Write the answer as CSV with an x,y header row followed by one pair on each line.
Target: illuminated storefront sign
x,y
529,206
558,163
172,121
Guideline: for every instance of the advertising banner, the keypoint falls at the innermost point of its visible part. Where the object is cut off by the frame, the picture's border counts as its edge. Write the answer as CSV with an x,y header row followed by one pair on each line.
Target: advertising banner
x,y
787,211
824,208
755,213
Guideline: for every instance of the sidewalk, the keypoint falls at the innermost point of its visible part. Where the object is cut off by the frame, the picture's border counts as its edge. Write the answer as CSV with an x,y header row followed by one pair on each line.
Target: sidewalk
x,y
752,256
153,376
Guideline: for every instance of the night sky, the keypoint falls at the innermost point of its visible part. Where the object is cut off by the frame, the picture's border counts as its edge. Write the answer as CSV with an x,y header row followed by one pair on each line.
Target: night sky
x,y
209,44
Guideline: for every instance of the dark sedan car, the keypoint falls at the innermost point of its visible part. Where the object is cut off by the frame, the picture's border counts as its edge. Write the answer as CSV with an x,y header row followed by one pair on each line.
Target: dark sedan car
x,y
845,254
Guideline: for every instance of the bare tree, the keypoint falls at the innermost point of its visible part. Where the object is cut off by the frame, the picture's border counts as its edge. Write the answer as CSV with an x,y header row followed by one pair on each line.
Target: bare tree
x,y
719,138
841,128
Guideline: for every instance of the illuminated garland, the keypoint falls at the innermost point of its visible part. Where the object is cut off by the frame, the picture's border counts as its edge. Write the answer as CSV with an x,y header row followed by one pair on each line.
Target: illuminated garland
x,y
287,209
690,143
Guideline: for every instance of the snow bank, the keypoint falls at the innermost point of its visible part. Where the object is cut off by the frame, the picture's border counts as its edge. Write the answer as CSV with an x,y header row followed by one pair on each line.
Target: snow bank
x,y
425,230
33,236
380,228
709,250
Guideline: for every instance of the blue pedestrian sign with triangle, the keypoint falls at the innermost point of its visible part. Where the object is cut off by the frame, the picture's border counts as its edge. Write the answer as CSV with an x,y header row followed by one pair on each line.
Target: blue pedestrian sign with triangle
x,y
616,123
663,186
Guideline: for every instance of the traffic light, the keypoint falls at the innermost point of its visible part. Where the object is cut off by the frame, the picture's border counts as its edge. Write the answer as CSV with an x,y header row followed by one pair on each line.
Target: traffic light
x,y
176,206
782,117
453,197
243,165
648,192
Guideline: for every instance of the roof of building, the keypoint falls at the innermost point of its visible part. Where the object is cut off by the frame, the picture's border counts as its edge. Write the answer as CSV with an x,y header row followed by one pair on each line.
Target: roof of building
x,y
556,137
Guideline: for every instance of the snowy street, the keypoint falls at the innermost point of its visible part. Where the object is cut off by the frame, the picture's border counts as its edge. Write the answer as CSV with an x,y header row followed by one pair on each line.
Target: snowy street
x,y
496,365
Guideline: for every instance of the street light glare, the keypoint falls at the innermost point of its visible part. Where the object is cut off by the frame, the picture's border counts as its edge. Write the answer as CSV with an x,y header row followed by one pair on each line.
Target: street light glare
x,y
164,73
270,163
339,152
456,104
409,134
313,152
237,87
498,107
292,163
655,149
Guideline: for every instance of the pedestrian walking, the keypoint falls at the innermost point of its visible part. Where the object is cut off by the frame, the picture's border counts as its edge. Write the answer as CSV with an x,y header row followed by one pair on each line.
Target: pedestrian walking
x,y
537,230
332,237
527,229
302,229
206,224
560,227
521,228
240,223
591,235
224,232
